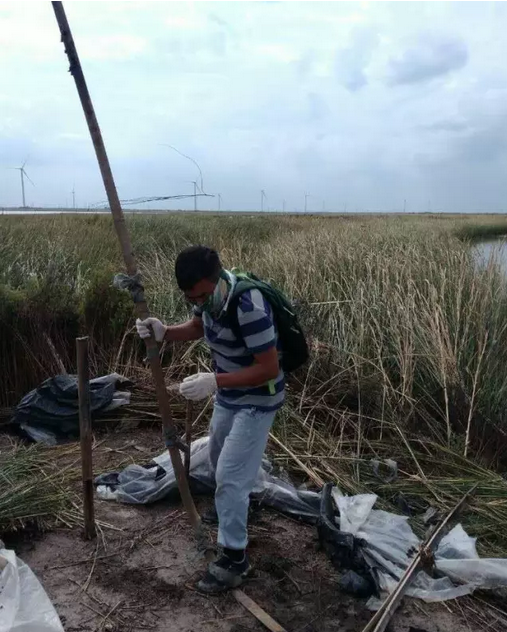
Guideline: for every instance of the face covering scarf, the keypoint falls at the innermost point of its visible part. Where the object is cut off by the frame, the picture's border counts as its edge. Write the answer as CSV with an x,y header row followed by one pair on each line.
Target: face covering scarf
x,y
216,302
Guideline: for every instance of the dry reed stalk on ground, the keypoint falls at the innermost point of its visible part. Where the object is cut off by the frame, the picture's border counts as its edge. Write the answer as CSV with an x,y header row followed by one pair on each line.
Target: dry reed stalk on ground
x,y
34,490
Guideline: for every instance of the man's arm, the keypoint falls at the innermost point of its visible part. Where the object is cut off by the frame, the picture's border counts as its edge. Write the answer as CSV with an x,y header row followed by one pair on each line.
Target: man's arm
x,y
191,330
266,368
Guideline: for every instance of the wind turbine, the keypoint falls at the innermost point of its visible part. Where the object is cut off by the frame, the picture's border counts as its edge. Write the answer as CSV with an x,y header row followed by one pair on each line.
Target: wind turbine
x,y
74,196
307,195
263,197
194,182
23,174
219,201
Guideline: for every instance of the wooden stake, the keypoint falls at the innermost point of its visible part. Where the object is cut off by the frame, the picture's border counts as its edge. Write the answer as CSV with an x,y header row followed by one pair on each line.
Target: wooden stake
x,y
188,435
85,433
130,261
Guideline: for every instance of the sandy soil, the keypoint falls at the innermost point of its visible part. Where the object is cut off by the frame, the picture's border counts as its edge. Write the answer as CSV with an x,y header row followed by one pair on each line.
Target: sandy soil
x,y
140,572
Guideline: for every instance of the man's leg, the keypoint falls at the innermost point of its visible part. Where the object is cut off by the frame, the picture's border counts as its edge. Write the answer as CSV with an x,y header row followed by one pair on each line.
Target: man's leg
x,y
237,468
220,426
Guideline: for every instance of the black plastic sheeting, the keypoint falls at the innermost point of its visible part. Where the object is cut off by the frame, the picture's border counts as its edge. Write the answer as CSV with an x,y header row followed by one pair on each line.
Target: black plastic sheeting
x,y
50,413
345,551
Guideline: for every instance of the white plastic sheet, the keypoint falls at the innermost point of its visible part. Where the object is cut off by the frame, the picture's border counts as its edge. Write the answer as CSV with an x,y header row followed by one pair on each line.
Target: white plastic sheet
x,y
390,542
144,485
391,546
24,605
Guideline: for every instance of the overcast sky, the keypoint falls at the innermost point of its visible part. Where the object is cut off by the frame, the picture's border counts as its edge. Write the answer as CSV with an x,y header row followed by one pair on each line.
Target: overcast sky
x,y
362,105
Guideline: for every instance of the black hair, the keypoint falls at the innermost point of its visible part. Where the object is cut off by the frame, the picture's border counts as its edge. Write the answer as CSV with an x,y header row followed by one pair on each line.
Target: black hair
x,y
195,264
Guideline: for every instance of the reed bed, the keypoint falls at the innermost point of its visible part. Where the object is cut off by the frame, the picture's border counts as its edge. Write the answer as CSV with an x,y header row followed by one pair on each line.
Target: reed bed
x,y
408,335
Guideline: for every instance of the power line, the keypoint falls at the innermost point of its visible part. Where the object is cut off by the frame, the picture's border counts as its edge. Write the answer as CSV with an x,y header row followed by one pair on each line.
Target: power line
x,y
188,158
142,200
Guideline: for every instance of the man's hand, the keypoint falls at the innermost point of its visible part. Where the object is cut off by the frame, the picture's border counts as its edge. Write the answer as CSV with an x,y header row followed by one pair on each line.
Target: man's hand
x,y
158,327
198,386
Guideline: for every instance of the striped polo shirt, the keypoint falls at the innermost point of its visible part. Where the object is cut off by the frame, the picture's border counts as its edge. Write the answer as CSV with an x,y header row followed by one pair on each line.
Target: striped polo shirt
x,y
230,354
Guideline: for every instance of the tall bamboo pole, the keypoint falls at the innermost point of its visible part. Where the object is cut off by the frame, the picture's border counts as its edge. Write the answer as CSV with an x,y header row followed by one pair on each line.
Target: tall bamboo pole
x,y
133,280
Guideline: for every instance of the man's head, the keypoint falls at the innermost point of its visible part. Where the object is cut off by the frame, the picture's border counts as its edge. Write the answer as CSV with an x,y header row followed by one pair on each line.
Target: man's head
x,y
197,272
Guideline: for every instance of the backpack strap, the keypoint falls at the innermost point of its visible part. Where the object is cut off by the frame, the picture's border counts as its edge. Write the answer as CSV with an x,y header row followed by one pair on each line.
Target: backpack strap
x,y
243,285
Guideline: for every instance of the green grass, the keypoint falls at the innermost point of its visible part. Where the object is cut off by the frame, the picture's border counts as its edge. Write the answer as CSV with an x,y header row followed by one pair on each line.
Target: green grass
x,y
408,334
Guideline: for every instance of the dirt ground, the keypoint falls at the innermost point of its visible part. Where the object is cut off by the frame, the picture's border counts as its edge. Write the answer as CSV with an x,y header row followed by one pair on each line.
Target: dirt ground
x,y
139,574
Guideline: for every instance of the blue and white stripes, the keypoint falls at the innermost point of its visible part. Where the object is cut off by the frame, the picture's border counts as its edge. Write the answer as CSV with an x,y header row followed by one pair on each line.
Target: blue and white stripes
x,y
230,354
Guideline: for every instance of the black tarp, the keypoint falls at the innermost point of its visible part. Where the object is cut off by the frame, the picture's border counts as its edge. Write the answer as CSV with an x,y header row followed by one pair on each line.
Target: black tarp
x,y
50,413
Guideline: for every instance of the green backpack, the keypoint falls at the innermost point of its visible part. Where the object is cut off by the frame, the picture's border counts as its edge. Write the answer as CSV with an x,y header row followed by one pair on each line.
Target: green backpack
x,y
292,339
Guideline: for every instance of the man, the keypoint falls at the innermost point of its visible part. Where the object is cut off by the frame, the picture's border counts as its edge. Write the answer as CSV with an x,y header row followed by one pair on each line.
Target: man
x,y
248,385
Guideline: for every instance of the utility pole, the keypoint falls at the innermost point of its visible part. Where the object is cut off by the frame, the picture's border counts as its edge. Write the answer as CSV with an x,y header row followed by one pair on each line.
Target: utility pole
x,y
21,173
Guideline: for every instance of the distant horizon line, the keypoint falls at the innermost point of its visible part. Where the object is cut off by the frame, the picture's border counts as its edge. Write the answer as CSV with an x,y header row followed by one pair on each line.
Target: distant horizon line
x,y
20,210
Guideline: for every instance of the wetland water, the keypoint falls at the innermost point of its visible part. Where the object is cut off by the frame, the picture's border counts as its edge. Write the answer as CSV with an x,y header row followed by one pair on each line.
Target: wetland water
x,y
494,249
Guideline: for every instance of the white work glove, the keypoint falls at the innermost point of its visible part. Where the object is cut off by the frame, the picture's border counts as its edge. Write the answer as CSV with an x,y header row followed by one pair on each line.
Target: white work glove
x,y
143,330
198,386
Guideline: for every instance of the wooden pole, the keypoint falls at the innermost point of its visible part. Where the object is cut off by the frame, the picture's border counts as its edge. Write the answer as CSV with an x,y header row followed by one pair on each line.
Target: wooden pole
x,y
188,435
85,433
130,262
131,265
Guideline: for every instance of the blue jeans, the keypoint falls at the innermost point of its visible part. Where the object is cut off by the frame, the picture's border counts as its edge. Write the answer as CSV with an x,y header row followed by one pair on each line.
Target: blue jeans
x,y
237,442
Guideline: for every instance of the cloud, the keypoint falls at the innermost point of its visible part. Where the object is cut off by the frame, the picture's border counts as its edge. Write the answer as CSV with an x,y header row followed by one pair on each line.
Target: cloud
x,y
284,97
485,144
111,47
351,62
445,126
430,58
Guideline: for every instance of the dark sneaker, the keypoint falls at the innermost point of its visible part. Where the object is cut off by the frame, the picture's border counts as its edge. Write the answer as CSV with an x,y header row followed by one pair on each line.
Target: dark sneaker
x,y
210,516
224,574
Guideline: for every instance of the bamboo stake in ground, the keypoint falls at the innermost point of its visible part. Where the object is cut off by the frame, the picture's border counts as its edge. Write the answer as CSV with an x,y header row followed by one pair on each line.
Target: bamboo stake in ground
x,y
85,434
130,261
189,420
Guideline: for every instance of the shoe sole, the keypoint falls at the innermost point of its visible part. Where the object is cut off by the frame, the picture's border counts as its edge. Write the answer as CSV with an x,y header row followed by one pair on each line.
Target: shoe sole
x,y
218,587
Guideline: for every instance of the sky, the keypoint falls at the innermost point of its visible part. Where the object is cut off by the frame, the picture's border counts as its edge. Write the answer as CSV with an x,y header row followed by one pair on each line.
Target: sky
x,y
362,106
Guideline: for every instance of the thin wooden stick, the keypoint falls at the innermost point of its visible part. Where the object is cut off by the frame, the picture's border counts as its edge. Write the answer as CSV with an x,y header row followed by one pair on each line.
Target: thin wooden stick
x,y
188,435
381,618
136,287
260,614
85,434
